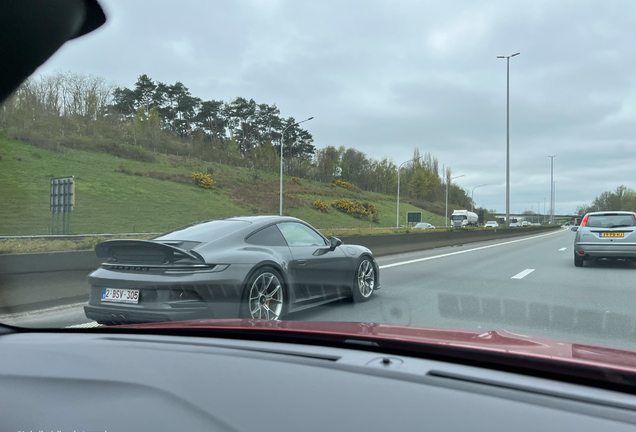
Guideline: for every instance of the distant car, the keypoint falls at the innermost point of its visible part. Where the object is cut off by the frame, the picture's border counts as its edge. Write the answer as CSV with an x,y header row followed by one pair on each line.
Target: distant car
x,y
610,235
491,224
424,225
525,223
514,224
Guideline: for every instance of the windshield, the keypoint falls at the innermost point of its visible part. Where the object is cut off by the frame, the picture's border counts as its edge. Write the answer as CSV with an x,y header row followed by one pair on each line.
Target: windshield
x,y
345,123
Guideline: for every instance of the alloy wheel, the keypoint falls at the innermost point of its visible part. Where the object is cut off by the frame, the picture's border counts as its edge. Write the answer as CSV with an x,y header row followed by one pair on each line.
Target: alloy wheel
x,y
266,297
366,278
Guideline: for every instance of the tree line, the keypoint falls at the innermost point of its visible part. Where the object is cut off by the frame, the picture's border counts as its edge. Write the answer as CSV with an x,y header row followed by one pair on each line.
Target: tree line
x,y
72,110
621,199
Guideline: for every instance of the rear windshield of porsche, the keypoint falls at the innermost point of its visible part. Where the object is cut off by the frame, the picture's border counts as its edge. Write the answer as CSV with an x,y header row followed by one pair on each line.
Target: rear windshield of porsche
x,y
205,231
610,221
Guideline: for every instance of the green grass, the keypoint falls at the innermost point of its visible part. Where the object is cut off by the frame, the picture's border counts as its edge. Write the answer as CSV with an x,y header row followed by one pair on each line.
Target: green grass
x,y
113,202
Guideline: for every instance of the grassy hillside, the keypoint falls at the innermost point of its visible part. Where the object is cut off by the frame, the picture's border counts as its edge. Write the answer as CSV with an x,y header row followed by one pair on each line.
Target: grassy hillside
x,y
115,195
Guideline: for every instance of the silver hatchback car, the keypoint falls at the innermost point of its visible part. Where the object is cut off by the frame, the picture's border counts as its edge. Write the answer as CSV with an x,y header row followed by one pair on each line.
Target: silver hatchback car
x,y
610,234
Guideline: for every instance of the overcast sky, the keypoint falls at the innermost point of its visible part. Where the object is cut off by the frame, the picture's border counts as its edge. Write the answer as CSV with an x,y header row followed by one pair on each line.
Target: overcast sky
x,y
385,77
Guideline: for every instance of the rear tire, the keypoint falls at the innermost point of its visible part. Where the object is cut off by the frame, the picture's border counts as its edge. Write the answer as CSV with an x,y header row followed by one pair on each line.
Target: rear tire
x,y
578,262
364,280
264,296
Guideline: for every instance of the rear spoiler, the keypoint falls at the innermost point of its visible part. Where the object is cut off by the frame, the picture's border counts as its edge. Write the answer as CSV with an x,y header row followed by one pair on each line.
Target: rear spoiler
x,y
112,248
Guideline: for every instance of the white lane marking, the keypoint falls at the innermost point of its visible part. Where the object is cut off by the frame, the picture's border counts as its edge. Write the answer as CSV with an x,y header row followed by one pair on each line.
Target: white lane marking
x,y
562,249
465,251
87,325
522,274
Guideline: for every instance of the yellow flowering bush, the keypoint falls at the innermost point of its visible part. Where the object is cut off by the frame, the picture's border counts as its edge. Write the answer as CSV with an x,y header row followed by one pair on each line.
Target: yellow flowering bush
x,y
372,210
322,206
297,180
356,210
341,183
203,180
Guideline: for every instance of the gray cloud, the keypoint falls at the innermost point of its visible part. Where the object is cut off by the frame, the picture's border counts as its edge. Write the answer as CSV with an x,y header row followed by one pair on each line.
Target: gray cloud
x,y
386,77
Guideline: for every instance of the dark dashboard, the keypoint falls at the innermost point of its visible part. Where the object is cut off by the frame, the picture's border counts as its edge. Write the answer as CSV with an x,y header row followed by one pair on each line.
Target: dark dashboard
x,y
119,382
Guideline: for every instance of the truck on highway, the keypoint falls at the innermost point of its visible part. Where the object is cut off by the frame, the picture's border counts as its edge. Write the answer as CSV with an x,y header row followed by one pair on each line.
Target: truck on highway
x,y
463,218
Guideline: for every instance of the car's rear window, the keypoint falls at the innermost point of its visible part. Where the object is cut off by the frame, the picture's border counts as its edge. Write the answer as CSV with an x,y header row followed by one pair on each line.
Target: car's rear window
x,y
610,221
205,231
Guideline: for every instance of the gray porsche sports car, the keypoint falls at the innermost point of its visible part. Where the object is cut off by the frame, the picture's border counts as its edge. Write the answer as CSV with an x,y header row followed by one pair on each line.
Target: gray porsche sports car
x,y
252,267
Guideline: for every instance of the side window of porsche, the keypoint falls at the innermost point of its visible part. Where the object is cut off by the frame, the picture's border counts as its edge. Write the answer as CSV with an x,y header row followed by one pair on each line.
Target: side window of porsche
x,y
300,235
270,236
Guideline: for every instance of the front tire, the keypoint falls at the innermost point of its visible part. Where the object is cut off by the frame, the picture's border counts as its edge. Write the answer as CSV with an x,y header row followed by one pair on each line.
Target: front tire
x,y
264,296
364,280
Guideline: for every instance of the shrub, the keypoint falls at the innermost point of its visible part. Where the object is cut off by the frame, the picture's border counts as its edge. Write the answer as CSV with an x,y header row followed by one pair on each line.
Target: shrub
x,y
357,210
203,180
124,170
297,180
322,206
372,210
341,183
139,173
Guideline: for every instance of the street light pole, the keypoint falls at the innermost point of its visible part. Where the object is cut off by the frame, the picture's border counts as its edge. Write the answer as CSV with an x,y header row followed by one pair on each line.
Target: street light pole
x,y
554,205
472,195
397,222
552,188
448,181
282,136
508,136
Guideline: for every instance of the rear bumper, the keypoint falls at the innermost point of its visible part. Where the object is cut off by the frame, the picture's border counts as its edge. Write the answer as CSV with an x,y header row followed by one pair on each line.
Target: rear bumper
x,y
112,315
592,251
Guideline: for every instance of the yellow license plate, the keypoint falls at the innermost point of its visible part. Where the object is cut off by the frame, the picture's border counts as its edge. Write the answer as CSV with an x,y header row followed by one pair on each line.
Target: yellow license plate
x,y
612,234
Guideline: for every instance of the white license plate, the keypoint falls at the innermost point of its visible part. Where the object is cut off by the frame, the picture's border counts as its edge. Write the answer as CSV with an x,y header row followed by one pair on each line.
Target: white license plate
x,y
120,295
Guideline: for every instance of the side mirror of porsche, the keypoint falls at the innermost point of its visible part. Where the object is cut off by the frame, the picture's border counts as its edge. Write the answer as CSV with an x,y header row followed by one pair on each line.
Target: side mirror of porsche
x,y
334,242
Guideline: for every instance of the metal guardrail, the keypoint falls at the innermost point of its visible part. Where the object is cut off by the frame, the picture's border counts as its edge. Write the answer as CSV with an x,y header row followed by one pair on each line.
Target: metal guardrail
x,y
72,236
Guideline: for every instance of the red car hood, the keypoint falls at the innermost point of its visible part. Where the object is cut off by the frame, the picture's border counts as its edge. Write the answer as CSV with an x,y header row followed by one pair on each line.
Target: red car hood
x,y
494,340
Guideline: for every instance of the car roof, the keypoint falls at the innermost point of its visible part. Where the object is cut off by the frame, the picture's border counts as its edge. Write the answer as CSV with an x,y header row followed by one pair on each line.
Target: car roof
x,y
619,212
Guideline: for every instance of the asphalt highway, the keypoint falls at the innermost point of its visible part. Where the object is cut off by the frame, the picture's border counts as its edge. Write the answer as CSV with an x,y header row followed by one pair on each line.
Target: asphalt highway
x,y
526,285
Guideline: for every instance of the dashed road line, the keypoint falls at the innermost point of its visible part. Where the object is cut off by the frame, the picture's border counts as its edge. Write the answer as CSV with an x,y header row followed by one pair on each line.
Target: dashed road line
x,y
522,274
562,249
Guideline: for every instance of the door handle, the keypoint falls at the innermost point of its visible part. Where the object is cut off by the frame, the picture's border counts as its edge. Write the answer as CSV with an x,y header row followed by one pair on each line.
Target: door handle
x,y
302,262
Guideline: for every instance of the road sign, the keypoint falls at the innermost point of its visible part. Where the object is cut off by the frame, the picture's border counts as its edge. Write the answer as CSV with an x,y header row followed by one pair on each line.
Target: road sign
x,y
62,200
414,217
62,194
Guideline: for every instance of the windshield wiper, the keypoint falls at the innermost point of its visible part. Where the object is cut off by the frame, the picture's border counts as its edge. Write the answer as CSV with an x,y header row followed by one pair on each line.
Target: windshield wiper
x,y
620,226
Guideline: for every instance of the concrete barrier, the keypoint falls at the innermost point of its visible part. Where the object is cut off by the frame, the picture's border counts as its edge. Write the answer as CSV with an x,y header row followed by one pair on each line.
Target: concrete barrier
x,y
41,280
390,244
